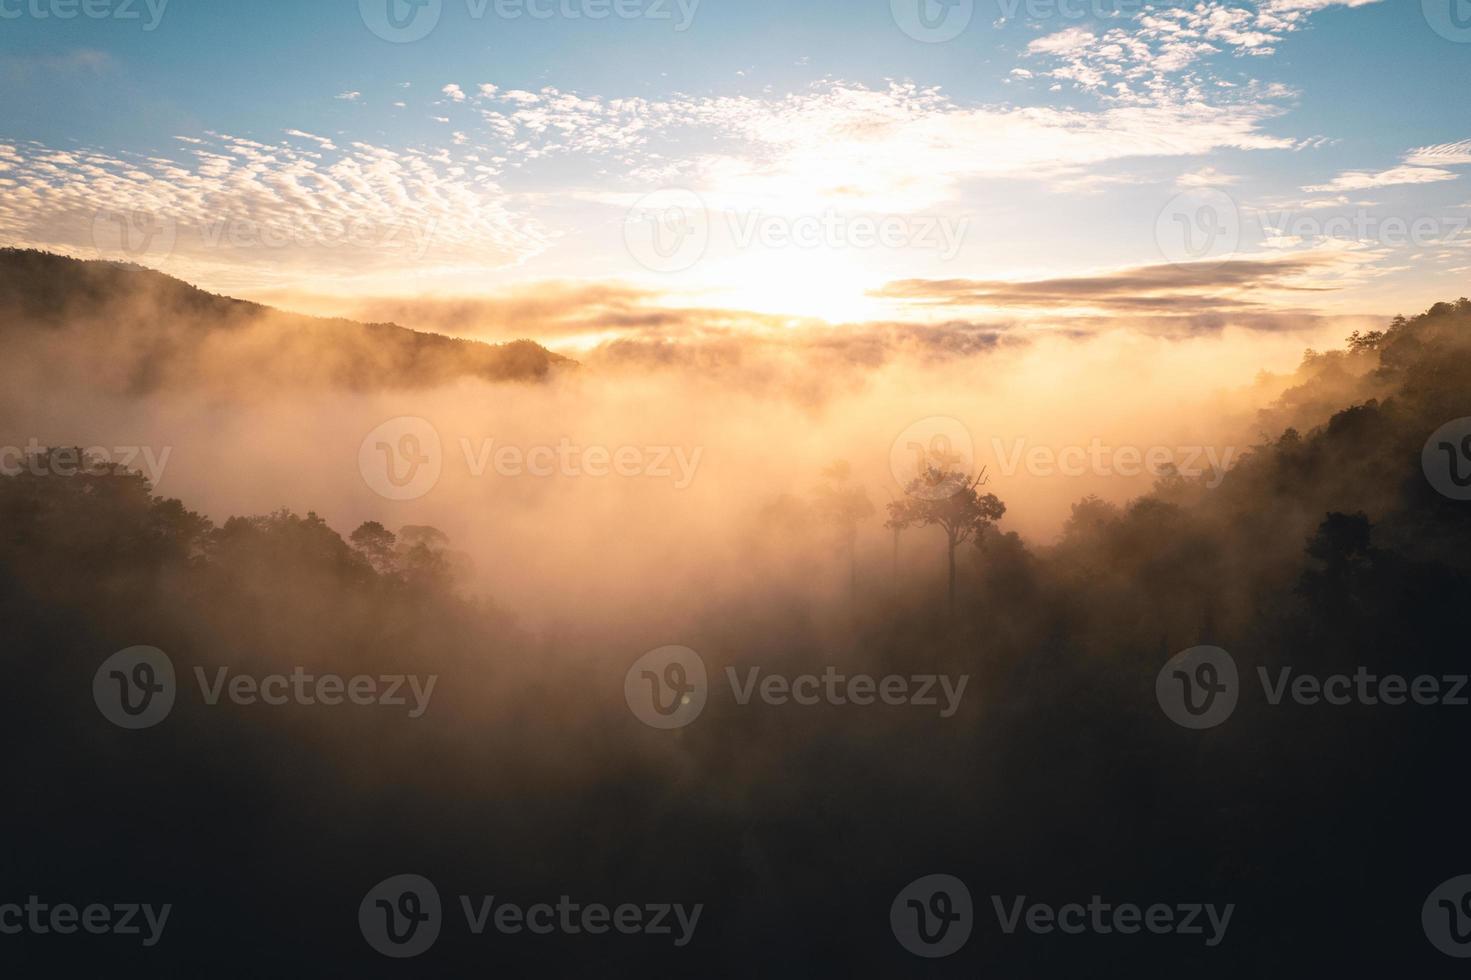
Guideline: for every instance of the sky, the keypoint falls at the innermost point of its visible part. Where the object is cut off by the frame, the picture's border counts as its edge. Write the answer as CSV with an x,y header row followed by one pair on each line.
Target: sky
x,y
1033,161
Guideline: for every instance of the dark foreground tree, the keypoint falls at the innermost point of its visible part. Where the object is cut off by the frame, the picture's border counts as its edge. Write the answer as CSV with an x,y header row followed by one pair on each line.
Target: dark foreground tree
x,y
950,501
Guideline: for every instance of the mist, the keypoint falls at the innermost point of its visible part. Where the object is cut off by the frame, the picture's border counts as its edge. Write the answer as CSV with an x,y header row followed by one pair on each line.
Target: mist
x,y
722,424
330,498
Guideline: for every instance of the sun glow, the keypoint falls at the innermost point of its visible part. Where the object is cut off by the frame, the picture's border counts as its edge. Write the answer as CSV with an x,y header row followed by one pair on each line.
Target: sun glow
x,y
826,284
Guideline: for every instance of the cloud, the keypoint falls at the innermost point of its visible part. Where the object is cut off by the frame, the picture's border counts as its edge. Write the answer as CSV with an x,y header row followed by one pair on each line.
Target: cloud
x,y
1444,155
916,144
229,209
322,141
455,93
552,310
349,96
1139,60
1310,6
1066,43
1188,288
1357,180
1423,165
610,325
1206,177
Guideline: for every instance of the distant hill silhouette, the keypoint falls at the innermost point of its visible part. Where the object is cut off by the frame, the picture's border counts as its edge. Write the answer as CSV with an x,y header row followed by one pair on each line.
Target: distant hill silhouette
x,y
166,333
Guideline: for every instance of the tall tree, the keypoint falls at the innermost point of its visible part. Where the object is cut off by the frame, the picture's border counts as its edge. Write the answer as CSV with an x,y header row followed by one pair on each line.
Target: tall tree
x,y
951,501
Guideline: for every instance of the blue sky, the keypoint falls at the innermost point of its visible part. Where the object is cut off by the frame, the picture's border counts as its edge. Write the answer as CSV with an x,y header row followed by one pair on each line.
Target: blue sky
x,y
1025,149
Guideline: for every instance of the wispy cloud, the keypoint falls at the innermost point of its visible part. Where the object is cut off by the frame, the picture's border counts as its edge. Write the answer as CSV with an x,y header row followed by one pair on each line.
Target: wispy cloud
x,y
1235,285
1357,180
1444,155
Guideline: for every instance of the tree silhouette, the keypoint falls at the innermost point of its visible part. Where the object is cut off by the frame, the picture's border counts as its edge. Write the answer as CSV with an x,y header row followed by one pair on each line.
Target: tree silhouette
x,y
958,508
376,543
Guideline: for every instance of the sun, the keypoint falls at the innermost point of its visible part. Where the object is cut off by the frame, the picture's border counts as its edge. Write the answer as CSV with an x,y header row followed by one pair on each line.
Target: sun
x,y
830,285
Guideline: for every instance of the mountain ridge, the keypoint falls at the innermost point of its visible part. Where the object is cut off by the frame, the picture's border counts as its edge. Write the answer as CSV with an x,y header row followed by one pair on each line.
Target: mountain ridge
x,y
172,330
